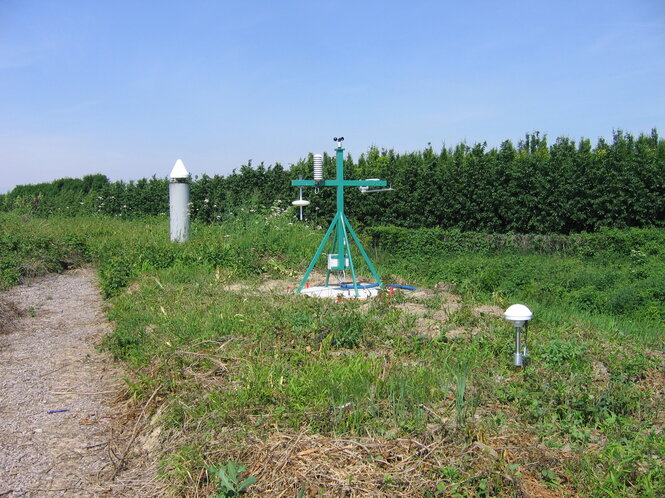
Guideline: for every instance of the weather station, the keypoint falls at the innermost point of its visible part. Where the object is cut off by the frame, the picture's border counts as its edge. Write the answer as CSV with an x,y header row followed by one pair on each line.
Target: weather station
x,y
340,258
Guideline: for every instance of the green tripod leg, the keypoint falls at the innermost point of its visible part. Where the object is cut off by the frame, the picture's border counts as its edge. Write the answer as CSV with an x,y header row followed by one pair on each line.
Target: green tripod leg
x,y
318,253
346,242
362,251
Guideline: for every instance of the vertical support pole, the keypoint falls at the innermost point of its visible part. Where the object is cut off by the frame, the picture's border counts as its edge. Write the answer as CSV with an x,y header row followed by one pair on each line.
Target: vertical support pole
x,y
300,206
300,197
519,358
341,251
179,202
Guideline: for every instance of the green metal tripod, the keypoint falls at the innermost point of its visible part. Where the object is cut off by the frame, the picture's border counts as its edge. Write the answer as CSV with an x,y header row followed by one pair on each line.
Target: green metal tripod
x,y
340,224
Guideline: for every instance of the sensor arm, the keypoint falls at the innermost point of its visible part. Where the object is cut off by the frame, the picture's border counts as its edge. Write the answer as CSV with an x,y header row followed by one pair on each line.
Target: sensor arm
x,y
335,183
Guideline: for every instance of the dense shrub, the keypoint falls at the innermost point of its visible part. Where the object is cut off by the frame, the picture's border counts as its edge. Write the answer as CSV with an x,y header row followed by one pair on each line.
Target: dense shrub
x,y
24,253
532,188
636,244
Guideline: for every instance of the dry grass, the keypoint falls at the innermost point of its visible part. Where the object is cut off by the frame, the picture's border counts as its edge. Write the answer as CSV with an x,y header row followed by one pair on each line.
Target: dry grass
x,y
8,313
288,463
305,464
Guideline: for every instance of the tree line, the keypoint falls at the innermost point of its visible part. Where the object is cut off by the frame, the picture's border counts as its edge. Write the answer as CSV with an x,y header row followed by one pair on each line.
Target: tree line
x,y
534,187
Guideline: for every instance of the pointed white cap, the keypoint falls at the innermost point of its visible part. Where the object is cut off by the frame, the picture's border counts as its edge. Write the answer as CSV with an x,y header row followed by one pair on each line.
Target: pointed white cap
x,y
179,172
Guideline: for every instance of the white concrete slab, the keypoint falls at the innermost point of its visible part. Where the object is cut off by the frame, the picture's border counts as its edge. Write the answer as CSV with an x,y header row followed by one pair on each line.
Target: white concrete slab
x,y
333,292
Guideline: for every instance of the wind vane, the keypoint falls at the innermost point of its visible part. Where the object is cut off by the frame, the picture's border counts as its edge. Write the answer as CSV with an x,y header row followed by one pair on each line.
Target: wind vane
x,y
340,259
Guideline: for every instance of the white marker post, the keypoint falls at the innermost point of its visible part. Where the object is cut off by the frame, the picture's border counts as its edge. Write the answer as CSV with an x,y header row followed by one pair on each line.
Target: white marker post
x,y
179,202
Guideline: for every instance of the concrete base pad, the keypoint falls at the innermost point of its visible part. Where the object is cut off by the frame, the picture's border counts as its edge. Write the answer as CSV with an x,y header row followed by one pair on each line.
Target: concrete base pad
x,y
333,292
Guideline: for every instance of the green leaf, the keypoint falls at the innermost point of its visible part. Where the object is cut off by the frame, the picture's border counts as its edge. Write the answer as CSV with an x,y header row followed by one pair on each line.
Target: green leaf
x,y
246,483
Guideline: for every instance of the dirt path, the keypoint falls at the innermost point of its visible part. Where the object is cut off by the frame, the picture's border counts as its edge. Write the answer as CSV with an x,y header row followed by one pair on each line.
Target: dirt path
x,y
60,433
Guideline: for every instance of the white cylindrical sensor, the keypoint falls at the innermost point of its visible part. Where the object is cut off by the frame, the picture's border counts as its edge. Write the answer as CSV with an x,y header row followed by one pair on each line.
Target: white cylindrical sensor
x,y
179,211
179,202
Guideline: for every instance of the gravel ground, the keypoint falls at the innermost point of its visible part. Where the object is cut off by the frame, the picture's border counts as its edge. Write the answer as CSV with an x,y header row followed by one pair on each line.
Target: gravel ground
x,y
61,434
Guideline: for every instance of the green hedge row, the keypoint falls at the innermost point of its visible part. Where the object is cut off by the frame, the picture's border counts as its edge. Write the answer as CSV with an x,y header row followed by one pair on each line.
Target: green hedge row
x,y
435,242
532,188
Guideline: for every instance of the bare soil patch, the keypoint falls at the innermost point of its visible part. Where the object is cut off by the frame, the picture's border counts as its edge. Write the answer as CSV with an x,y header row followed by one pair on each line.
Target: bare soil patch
x,y
62,434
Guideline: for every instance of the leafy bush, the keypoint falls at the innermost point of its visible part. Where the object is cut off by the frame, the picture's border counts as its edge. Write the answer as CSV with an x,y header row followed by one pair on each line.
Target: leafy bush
x,y
533,188
624,300
114,275
10,274
25,252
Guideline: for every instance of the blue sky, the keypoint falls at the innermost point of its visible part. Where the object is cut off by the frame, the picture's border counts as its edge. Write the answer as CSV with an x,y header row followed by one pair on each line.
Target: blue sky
x,y
125,88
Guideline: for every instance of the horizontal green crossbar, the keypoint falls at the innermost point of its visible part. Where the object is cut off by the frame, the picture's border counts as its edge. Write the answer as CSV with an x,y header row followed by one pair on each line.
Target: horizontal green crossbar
x,y
335,183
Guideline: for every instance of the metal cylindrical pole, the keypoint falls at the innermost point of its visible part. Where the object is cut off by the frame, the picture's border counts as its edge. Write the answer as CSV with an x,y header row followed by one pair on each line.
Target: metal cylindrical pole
x,y
300,198
179,210
519,358
341,250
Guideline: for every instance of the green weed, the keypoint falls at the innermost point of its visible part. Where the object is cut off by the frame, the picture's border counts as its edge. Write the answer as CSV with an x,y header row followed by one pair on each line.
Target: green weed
x,y
230,483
